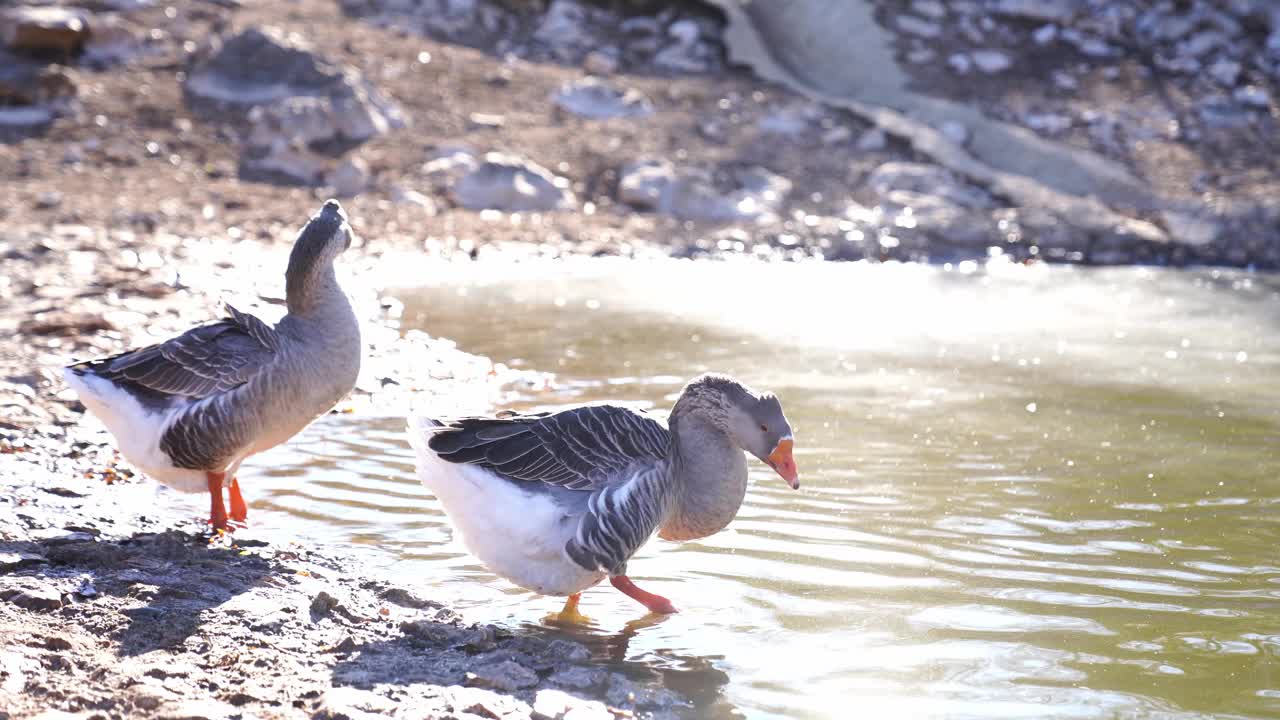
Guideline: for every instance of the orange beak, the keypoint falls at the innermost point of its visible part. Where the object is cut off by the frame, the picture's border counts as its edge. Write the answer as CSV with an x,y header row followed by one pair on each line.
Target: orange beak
x,y
785,465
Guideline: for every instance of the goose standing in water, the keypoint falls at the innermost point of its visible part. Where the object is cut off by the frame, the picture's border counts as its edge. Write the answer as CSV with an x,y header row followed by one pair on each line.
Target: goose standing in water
x,y
189,410
557,502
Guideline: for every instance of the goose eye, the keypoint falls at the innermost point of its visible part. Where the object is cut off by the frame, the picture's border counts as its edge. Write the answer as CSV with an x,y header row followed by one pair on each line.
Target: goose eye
x,y
764,428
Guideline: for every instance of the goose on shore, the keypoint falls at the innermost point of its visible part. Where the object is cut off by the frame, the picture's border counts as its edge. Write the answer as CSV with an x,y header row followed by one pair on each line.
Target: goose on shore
x,y
556,502
189,410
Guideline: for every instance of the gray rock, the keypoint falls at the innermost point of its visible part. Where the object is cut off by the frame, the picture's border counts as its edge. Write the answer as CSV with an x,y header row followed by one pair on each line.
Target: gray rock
x,y
916,26
1190,229
60,536
685,32
1045,34
873,140
566,27
921,56
262,66
693,194
1253,96
960,63
937,220
44,29
594,98
604,61
10,561
113,41
579,677
292,162
507,676
512,184
34,597
409,196
197,710
991,61
1047,123
1225,72
1058,11
932,9
349,178
926,180
1202,44
791,121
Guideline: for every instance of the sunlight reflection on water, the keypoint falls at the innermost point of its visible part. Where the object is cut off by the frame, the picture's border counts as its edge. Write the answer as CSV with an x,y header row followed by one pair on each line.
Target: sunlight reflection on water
x,y
952,553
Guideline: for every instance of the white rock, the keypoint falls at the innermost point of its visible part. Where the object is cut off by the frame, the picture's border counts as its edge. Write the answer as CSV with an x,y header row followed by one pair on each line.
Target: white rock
x,y
991,61
512,184
921,56
1041,10
920,28
408,196
960,63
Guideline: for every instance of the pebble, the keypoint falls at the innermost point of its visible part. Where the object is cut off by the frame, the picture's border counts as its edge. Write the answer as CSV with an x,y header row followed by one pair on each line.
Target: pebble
x,y
1048,123
1045,34
597,99
601,62
960,63
45,29
1038,10
955,132
931,9
916,26
685,32
349,178
991,61
1253,96
560,705
873,140
1225,72
507,676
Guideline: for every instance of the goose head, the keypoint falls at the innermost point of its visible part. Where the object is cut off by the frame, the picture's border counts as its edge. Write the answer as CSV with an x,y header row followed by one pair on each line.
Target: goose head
x,y
753,421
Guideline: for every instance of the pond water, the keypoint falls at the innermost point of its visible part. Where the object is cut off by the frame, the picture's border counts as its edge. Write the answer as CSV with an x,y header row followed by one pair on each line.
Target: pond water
x,y
1026,492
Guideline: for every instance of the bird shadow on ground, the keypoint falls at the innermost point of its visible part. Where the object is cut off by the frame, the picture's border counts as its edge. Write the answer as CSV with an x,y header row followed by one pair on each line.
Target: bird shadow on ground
x,y
521,660
172,576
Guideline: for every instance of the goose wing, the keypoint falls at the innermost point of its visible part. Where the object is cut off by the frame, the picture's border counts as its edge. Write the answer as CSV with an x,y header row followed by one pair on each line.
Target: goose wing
x,y
202,362
586,448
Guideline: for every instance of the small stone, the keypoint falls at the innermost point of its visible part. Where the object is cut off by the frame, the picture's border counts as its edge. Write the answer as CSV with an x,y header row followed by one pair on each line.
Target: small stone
x,y
323,604
991,61
51,537
45,29
686,32
960,63
920,28
601,62
838,135
579,677
1038,10
921,56
488,121
873,140
1045,34
1225,72
1253,96
49,199
1065,81
197,710
594,98
1048,123
408,196
507,676
932,9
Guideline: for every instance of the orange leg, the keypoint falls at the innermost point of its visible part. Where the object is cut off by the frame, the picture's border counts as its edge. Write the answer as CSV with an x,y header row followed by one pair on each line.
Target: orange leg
x,y
217,512
655,603
239,510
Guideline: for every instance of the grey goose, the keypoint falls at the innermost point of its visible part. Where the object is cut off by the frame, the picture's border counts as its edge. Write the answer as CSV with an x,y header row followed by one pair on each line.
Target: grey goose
x,y
189,410
556,502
